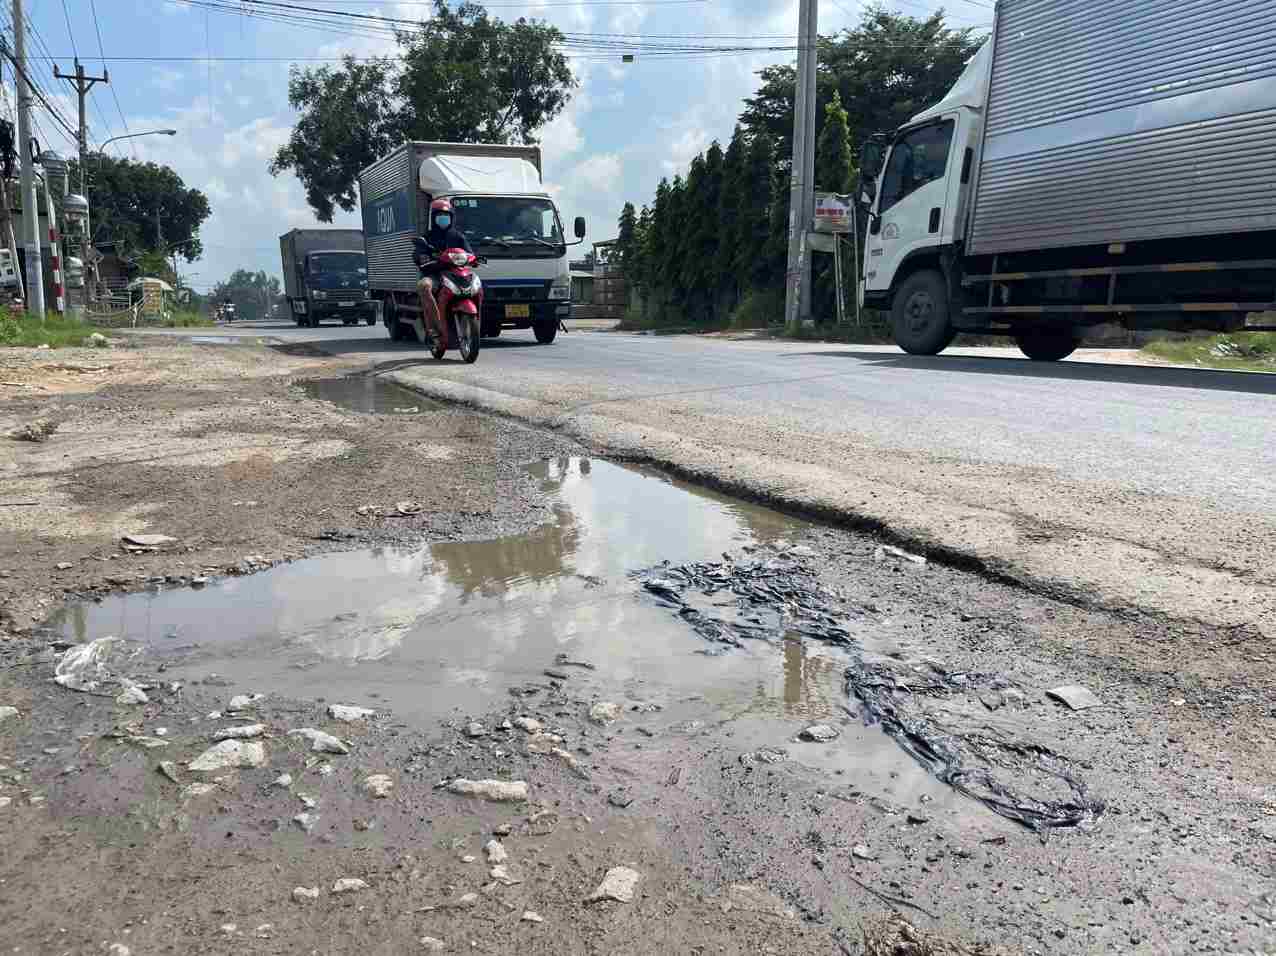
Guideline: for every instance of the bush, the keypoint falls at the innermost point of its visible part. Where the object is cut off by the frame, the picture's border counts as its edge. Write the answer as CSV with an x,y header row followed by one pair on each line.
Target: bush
x,y
56,331
759,309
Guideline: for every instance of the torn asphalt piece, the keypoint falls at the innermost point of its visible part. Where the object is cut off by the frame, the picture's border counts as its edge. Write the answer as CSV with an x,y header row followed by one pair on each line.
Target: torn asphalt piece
x,y
996,771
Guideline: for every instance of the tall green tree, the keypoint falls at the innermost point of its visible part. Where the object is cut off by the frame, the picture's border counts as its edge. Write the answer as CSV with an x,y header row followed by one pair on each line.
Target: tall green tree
x,y
834,164
459,76
734,188
126,197
700,264
641,270
627,238
755,223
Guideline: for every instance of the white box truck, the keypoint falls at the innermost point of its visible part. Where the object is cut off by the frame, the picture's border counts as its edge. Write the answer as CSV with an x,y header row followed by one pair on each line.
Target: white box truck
x,y
506,213
1099,161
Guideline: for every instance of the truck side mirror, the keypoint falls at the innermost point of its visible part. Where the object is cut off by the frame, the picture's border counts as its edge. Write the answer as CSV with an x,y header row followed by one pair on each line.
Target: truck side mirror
x,y
580,227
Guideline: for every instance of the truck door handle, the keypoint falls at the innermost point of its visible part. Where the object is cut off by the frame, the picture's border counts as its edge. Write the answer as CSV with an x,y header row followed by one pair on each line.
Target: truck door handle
x,y
934,219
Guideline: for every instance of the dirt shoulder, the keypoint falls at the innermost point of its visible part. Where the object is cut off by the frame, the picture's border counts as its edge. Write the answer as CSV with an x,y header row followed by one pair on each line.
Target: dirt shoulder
x,y
217,448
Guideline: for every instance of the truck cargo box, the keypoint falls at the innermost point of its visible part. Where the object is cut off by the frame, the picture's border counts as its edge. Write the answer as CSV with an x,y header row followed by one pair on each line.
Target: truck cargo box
x,y
1113,121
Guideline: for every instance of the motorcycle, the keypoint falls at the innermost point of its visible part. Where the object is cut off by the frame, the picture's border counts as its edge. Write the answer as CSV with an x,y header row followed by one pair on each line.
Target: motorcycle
x,y
459,295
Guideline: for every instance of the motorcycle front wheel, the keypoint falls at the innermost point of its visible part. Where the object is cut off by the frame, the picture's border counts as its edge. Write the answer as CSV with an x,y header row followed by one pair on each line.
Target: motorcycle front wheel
x,y
469,337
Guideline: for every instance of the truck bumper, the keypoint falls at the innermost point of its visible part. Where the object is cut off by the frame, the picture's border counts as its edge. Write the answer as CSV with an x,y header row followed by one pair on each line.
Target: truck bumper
x,y
507,315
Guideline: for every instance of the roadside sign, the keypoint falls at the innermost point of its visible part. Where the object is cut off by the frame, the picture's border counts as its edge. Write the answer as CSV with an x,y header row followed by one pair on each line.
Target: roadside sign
x,y
832,213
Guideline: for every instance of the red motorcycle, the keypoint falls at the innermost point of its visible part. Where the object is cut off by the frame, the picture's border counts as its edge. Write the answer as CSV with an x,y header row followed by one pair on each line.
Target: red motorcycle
x,y
459,294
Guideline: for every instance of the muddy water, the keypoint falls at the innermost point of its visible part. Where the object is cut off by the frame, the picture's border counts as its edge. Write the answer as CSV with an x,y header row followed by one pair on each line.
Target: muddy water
x,y
366,393
450,628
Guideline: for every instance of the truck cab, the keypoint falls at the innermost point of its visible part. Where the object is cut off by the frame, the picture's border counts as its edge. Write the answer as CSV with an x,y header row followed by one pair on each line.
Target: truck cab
x,y
336,285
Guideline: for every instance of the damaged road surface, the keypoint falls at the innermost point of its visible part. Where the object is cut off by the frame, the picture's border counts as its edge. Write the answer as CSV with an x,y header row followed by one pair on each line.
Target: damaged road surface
x,y
639,717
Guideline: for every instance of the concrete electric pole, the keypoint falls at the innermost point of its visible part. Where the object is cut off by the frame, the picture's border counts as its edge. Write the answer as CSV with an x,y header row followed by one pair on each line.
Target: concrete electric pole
x,y
83,83
30,211
797,275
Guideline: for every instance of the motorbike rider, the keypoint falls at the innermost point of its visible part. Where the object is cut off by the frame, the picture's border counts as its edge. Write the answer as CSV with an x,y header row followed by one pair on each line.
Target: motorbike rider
x,y
443,234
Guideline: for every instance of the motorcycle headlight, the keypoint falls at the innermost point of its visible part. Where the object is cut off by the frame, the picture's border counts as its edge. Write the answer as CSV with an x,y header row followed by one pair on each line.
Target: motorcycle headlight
x,y
561,289
451,286
458,258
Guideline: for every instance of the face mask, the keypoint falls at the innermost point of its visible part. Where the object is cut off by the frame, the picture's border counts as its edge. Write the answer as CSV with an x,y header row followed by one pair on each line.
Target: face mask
x,y
443,221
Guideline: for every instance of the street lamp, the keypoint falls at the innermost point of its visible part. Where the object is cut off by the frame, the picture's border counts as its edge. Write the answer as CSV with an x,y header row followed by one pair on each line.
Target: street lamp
x,y
149,132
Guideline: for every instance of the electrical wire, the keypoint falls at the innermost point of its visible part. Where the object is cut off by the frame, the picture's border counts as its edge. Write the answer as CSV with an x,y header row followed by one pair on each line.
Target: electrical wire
x,y
97,25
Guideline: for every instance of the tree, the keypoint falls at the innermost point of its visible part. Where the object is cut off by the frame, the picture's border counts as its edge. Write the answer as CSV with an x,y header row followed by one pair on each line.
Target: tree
x,y
754,222
834,166
254,293
639,274
125,197
627,238
460,76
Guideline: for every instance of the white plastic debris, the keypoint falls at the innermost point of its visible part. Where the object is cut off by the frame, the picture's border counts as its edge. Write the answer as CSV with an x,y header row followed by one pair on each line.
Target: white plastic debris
x,y
349,885
497,791
85,666
148,540
283,780
229,754
305,894
321,742
131,694
306,821
7,712
495,851
244,701
349,715
618,884
241,732
378,785
530,917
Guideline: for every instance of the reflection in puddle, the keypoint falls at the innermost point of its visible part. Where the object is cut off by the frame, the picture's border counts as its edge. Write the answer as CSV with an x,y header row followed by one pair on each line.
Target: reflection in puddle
x,y
366,393
455,624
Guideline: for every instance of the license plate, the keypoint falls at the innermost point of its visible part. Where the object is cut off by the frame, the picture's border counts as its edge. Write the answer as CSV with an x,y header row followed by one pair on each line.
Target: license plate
x,y
346,305
518,311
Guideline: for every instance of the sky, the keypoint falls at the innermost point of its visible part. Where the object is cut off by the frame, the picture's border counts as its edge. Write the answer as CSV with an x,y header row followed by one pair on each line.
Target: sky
x,y
626,126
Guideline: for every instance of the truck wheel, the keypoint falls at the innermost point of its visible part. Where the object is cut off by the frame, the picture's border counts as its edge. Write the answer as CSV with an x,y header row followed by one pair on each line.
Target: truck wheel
x,y
1047,345
371,319
919,314
392,326
545,331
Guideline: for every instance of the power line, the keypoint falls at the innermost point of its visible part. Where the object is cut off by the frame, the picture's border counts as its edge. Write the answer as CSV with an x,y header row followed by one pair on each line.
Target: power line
x,y
97,25
71,33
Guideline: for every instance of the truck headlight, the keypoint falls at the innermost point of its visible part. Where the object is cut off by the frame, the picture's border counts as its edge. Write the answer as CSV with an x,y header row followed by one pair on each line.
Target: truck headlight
x,y
561,289
319,294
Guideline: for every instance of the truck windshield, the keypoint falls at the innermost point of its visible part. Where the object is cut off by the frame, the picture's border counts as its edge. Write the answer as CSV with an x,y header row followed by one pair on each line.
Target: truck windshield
x,y
918,157
330,262
502,223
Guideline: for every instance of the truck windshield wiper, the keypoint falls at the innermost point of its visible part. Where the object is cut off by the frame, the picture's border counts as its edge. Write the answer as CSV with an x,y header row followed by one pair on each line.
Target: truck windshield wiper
x,y
493,241
543,242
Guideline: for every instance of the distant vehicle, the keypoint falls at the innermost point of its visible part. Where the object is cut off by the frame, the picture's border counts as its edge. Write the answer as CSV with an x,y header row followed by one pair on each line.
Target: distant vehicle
x,y
227,311
1104,163
506,213
326,276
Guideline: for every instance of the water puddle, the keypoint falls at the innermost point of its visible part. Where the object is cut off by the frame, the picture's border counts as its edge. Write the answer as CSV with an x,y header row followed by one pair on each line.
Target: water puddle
x,y
451,627
366,393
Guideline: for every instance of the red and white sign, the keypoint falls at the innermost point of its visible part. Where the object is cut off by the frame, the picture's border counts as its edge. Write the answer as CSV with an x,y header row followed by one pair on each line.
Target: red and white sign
x,y
832,213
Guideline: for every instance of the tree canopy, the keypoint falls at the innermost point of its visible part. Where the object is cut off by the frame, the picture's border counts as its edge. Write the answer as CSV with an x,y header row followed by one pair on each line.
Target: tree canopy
x,y
703,247
124,197
460,77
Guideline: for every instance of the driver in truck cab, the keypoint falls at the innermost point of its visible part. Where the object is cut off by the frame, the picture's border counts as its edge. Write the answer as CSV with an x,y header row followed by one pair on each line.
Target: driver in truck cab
x,y
443,234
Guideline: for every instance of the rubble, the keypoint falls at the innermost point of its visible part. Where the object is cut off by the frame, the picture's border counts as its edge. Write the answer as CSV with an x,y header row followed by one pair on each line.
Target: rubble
x,y
529,724
306,820
530,917
148,540
228,754
7,712
753,899
169,770
37,431
604,712
819,733
244,701
505,876
618,884
475,730
1074,696
321,742
349,715
497,791
241,732
348,885
543,743
378,785
283,780
131,695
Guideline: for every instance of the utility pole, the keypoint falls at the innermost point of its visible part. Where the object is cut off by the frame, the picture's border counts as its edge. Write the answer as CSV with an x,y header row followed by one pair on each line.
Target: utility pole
x,y
797,275
30,211
83,83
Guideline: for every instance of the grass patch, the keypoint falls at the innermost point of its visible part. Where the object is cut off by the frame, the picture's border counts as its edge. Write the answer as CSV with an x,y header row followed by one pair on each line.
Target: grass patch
x,y
1239,351
667,323
181,320
27,331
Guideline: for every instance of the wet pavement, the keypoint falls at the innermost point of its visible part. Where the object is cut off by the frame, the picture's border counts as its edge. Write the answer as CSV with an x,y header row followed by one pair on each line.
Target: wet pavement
x,y
366,393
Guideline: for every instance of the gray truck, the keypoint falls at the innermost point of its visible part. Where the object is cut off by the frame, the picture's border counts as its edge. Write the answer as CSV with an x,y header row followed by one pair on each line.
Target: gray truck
x,y
326,276
1100,161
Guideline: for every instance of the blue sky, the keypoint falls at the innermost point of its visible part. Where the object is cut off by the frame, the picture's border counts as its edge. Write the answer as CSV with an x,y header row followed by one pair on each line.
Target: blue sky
x,y
627,126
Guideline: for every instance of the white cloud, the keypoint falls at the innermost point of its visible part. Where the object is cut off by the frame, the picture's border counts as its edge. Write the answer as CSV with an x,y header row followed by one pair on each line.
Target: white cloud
x,y
600,172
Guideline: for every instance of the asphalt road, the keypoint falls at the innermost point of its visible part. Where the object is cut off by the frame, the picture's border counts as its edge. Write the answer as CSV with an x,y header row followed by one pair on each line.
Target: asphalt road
x,y
1125,484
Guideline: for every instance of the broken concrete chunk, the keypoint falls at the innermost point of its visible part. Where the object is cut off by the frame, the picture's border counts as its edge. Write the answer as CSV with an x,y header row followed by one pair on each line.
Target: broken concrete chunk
x,y
571,761
242,732
1075,697
349,885
530,724
244,701
378,785
604,712
894,552
229,754
197,790
530,917
506,876
543,743
305,894
618,884
306,820
861,852
169,769
348,715
819,733
475,730
495,851
753,899
321,742
283,780
7,712
497,791
148,540
131,695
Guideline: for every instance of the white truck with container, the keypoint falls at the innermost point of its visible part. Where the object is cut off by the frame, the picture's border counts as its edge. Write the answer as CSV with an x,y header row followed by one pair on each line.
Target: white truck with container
x,y
1099,161
507,214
